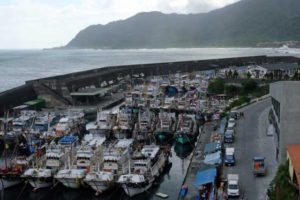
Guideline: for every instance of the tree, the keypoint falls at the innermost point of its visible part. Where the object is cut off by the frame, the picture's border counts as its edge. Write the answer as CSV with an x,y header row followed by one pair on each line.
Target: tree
x,y
286,77
249,86
267,76
281,188
271,75
248,75
230,74
279,75
216,86
235,74
295,76
232,90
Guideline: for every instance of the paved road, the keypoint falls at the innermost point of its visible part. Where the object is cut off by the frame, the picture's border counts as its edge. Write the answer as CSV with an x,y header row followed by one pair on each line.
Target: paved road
x,y
251,140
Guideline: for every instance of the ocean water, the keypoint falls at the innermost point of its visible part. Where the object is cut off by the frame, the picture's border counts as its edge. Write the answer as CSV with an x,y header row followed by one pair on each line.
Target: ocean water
x,y
17,66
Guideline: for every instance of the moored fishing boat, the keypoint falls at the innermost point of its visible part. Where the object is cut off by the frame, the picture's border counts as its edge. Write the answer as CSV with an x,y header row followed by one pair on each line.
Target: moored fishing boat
x,y
187,129
41,176
43,122
148,164
145,126
115,163
10,175
24,121
125,122
85,160
165,127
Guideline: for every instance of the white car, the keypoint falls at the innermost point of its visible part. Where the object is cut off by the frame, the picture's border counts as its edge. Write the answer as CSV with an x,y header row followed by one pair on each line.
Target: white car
x,y
231,123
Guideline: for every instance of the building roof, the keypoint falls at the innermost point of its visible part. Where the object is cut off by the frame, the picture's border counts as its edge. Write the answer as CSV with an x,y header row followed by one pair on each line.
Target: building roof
x,y
293,151
90,92
282,66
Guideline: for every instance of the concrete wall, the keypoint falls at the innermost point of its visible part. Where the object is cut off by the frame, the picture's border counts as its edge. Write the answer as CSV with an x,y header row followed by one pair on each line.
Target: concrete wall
x,y
287,93
62,85
16,96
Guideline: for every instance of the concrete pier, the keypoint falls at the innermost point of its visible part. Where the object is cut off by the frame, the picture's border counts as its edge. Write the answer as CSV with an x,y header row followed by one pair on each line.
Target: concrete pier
x,y
197,158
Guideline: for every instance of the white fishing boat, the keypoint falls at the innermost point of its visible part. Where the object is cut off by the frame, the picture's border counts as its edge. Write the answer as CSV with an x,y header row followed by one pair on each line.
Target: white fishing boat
x,y
186,129
115,163
43,122
104,124
169,103
181,104
24,121
148,164
145,125
165,127
39,177
70,123
85,160
124,126
64,126
54,160
71,178
132,98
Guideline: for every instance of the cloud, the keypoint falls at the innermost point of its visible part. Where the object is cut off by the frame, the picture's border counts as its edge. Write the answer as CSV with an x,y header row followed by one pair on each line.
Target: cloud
x,y
49,23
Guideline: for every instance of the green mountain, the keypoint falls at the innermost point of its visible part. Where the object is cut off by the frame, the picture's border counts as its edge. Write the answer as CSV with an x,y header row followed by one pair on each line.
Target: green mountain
x,y
245,23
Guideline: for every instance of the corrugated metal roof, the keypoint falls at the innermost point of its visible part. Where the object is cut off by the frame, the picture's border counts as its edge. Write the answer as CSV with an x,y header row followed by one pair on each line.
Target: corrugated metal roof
x,y
90,92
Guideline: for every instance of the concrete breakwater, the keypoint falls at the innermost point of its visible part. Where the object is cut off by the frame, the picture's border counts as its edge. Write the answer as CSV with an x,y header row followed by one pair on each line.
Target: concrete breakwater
x,y
57,90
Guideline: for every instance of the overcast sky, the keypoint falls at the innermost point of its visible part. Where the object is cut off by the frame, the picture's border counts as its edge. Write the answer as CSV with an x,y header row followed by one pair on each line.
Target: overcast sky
x,y
27,24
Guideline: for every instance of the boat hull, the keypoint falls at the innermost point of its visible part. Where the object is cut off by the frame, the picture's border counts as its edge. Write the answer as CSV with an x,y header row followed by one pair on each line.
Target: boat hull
x,y
99,186
185,139
133,191
162,137
37,184
74,183
5,183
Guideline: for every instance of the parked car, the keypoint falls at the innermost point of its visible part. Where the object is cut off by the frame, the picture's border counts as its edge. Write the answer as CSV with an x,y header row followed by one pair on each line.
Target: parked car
x,y
234,114
229,158
231,123
229,136
233,185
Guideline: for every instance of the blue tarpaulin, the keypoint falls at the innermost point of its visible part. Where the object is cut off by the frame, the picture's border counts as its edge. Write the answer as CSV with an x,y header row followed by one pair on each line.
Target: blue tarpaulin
x,y
68,139
213,158
171,91
205,176
212,147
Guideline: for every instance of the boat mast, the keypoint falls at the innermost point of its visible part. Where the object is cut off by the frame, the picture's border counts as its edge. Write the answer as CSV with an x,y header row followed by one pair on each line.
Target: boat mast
x,y
129,160
5,145
48,128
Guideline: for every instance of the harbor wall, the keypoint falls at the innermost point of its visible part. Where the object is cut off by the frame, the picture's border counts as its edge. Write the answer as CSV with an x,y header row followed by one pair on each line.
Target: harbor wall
x,y
60,87
16,96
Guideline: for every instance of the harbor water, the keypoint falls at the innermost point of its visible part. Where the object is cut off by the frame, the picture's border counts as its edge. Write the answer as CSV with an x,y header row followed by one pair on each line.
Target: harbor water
x,y
169,183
